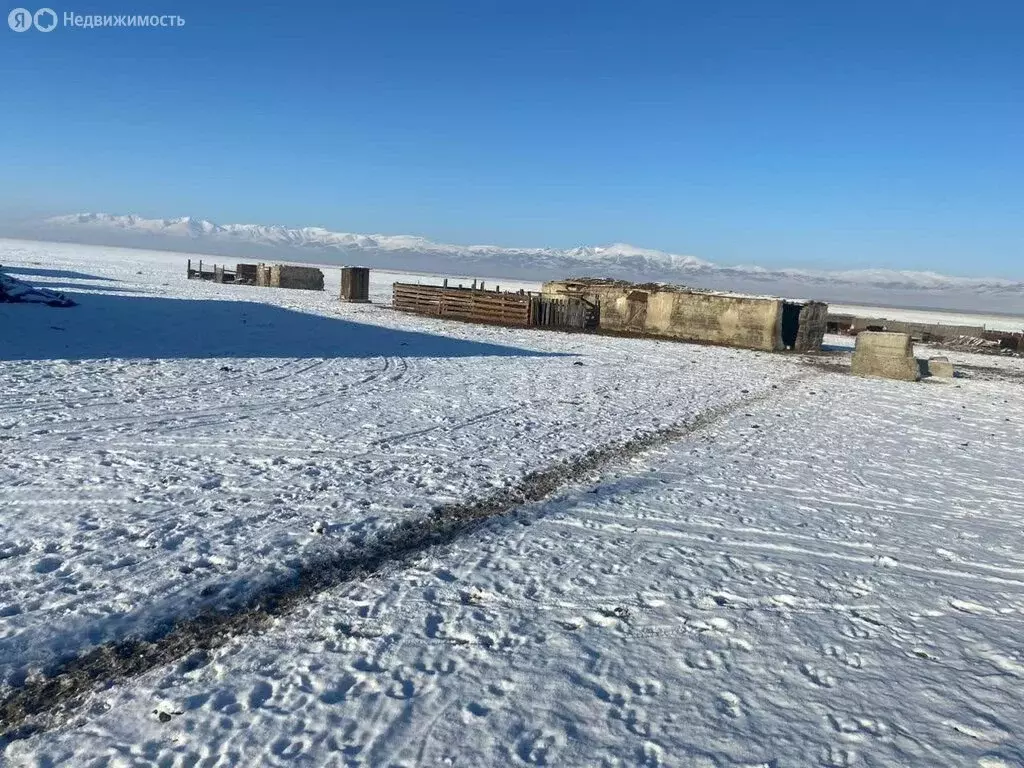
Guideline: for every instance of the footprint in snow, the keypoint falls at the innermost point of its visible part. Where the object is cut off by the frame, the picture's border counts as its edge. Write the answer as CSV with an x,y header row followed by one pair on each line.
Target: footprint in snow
x,y
48,564
538,747
817,675
729,704
260,694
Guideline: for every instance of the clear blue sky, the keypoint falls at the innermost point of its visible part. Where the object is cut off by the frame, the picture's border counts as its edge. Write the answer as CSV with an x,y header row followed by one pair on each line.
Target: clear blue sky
x,y
744,131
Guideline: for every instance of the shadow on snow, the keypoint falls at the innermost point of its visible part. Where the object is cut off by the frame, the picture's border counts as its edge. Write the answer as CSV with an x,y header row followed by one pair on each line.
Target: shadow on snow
x,y
78,287
119,326
62,274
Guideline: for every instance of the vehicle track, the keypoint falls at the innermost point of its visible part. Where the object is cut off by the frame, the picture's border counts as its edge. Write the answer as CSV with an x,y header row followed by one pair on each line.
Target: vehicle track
x,y
43,700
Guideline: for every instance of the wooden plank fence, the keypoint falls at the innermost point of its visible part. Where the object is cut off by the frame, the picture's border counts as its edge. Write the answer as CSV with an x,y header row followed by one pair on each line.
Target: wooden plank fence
x,y
219,274
463,304
548,312
519,309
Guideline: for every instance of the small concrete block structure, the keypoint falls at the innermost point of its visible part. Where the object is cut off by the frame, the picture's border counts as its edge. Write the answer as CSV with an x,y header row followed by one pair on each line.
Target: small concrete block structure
x,y
940,367
886,355
355,284
290,276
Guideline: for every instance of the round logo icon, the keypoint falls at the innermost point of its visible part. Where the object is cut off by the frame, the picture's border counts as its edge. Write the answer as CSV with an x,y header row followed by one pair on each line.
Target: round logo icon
x,y
45,20
20,20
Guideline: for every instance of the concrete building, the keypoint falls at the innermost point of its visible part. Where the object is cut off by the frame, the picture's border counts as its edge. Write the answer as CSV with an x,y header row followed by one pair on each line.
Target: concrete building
x,y
687,314
290,276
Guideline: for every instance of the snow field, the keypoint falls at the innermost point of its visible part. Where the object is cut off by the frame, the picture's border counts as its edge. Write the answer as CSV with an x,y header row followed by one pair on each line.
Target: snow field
x,y
830,577
141,490
826,572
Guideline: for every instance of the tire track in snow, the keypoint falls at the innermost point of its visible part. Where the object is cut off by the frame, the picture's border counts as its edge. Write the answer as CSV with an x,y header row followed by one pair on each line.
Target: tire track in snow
x,y
47,698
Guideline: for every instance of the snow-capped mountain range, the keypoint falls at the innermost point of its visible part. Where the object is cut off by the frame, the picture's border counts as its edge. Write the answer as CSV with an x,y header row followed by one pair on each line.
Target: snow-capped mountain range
x,y
407,252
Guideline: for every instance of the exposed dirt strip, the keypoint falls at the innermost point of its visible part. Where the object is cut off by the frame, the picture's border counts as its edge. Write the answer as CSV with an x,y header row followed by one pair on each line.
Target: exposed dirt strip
x,y
44,701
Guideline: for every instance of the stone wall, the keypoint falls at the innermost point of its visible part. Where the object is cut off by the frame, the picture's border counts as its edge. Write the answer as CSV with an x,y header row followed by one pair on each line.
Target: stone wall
x,y
692,315
886,355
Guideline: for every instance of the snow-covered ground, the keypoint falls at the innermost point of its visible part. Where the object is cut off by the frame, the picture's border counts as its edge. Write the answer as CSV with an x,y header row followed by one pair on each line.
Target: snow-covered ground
x,y
825,571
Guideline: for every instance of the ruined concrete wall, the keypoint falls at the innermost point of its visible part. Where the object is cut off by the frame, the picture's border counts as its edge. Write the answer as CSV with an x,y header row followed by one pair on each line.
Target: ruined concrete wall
x,y
735,321
289,276
729,320
885,354
813,323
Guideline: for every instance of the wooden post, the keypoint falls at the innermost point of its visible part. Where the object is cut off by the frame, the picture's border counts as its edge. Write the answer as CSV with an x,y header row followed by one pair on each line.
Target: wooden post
x,y
355,284
445,282
481,285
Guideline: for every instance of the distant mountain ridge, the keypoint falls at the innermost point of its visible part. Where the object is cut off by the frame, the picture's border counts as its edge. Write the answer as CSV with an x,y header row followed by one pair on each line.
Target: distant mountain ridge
x,y
316,244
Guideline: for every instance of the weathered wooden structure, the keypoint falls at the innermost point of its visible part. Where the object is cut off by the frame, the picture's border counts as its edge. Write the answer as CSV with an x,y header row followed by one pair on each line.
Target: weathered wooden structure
x,y
245,274
355,284
754,322
475,304
1007,340
214,273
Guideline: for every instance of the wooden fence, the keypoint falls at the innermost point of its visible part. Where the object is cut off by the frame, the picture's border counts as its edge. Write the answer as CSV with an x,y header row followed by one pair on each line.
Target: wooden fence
x,y
520,309
463,304
549,312
218,274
